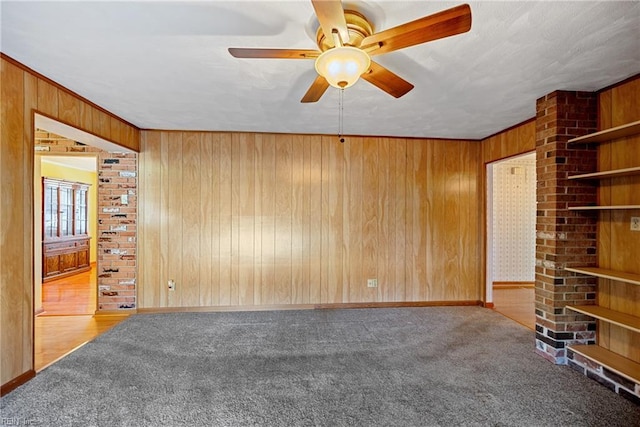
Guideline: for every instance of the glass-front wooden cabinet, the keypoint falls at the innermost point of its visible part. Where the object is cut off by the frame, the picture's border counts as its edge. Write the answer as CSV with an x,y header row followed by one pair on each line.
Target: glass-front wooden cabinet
x,y
65,220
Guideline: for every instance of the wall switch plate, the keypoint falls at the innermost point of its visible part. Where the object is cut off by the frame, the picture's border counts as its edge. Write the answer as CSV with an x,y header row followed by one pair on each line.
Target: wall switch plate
x,y
172,285
372,283
635,223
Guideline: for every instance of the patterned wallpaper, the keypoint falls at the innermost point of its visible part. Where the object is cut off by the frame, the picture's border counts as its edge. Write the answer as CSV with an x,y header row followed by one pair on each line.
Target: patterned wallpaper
x,y
514,220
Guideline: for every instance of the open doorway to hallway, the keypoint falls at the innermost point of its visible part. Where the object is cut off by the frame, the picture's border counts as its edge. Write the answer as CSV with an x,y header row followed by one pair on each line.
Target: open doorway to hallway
x,y
511,231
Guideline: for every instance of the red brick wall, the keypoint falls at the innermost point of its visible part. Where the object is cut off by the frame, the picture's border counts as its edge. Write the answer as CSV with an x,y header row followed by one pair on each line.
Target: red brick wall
x,y
564,238
117,201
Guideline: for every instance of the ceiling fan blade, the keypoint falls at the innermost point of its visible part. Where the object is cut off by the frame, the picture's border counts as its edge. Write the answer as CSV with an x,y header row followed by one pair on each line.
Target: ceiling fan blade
x,y
331,16
240,52
433,27
317,89
384,79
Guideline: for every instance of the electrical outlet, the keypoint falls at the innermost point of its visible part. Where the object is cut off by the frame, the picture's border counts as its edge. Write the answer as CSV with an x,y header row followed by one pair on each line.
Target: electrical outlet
x,y
172,285
635,223
372,283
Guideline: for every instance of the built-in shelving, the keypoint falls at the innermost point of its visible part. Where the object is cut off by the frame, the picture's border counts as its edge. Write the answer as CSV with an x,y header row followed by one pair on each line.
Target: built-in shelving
x,y
612,361
608,274
623,320
607,135
608,174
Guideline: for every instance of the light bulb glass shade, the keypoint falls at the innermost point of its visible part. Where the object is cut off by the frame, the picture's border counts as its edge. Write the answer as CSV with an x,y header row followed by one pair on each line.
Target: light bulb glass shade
x,y
342,66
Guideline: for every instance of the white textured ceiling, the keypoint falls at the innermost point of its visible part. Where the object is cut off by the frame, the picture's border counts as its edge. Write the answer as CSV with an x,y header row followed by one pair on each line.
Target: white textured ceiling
x,y
165,65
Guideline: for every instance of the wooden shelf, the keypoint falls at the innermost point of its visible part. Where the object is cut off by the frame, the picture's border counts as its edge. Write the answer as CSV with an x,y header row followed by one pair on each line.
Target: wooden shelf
x,y
603,208
608,134
609,174
613,361
608,274
623,320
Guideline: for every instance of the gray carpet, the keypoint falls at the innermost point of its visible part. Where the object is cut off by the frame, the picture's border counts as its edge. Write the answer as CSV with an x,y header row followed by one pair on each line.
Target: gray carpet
x,y
439,366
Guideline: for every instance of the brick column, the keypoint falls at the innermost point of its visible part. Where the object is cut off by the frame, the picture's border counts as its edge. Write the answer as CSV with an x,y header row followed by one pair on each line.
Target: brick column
x,y
117,225
564,238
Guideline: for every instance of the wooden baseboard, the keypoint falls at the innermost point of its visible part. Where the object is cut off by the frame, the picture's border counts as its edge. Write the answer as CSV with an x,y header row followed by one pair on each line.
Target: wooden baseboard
x,y
272,307
513,285
208,309
17,382
397,304
488,305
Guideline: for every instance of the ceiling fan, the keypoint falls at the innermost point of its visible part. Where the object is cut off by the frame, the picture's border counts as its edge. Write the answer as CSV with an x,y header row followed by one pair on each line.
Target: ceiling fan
x,y
346,43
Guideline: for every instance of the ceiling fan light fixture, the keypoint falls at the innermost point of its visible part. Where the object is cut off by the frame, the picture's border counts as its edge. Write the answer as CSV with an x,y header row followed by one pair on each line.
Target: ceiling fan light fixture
x,y
342,66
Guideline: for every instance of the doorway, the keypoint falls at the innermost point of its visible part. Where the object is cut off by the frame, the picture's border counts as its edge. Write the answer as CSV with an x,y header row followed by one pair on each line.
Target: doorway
x,y
66,278
511,243
59,334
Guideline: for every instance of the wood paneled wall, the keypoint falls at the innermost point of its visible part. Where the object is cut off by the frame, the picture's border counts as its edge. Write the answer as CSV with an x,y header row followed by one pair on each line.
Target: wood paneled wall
x,y
243,219
618,247
516,140
24,92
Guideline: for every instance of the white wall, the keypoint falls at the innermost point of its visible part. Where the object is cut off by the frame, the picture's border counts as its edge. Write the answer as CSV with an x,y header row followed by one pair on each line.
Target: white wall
x,y
514,220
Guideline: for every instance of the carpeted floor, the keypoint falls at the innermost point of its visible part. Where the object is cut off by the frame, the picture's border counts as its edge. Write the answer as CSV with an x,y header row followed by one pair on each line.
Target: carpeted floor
x,y
440,366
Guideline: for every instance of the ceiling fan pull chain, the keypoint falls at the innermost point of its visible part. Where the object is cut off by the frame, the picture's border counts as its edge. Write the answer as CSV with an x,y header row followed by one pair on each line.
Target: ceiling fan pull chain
x,y
341,115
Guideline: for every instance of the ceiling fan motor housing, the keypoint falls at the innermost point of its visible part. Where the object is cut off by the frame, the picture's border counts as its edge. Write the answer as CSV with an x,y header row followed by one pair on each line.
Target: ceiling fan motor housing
x,y
358,26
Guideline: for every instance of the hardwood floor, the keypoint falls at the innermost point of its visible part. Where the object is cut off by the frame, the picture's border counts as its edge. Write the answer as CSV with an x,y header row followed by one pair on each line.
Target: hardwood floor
x,y
71,295
57,336
516,303
68,319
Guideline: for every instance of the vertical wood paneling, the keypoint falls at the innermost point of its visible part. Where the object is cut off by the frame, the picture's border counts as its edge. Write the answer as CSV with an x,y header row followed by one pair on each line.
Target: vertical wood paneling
x,y
369,228
384,205
263,219
13,283
192,228
86,116
163,293
149,208
399,219
174,218
436,231
355,273
452,225
101,124
316,221
47,98
283,206
268,206
68,108
226,234
215,199
246,206
205,219
299,294
259,218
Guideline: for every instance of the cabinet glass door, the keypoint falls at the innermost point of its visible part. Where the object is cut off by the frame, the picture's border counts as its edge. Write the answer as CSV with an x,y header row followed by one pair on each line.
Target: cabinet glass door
x,y
50,229
81,211
66,211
